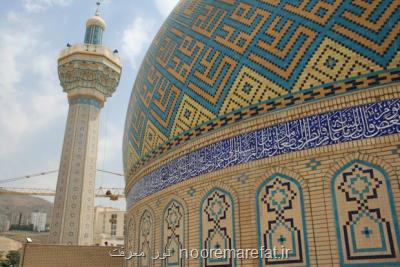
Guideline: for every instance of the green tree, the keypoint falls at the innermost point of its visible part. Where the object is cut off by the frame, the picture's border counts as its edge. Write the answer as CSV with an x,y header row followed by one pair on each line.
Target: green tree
x,y
12,259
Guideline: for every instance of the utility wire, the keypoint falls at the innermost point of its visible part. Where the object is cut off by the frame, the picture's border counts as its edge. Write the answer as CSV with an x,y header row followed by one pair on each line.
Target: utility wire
x,y
48,172
26,176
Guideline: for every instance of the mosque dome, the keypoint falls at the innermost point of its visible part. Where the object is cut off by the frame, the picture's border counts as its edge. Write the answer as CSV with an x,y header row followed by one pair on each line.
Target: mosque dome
x,y
217,63
267,124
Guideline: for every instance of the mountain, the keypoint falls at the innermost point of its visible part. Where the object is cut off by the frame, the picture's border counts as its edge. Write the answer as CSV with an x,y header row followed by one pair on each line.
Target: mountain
x,y
13,205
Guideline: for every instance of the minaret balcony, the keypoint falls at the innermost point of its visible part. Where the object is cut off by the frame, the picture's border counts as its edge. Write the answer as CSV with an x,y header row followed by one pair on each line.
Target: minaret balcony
x,y
89,69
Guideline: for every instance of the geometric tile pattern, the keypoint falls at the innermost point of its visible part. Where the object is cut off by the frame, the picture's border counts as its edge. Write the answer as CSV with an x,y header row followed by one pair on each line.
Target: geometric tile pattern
x,y
243,178
249,88
350,124
331,62
281,220
173,237
214,63
190,114
191,191
396,150
146,240
152,137
366,221
130,236
217,227
85,100
313,164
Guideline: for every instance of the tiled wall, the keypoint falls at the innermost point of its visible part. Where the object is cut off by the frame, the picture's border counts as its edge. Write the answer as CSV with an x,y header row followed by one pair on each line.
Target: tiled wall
x,y
344,197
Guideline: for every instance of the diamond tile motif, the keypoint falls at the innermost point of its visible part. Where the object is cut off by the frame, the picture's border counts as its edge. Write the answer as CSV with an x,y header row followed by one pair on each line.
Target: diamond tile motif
x,y
191,191
242,178
313,164
396,151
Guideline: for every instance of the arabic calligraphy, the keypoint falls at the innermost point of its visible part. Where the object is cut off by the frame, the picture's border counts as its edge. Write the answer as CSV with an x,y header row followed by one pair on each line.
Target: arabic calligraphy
x,y
120,252
350,124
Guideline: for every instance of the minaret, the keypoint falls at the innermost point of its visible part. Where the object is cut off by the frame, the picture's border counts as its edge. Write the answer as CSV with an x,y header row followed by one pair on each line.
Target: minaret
x,y
89,73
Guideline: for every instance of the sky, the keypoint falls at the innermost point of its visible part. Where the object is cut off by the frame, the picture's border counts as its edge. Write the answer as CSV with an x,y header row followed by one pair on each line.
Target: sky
x,y
33,108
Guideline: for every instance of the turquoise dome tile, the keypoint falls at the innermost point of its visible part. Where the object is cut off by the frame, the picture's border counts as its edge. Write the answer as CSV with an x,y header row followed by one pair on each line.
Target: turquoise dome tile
x,y
214,59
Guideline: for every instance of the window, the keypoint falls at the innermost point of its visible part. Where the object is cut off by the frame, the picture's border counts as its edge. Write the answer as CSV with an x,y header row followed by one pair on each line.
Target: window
x,y
113,222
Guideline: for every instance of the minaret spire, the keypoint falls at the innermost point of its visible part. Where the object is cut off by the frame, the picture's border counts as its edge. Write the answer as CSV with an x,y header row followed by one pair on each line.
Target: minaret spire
x,y
97,13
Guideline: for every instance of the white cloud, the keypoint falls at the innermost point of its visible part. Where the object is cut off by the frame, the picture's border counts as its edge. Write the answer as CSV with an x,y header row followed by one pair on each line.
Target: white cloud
x,y
30,95
110,144
165,6
136,39
40,5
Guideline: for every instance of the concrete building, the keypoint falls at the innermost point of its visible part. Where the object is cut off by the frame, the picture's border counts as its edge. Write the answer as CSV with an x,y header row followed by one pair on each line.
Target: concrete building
x,y
89,73
19,218
108,226
4,223
38,219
